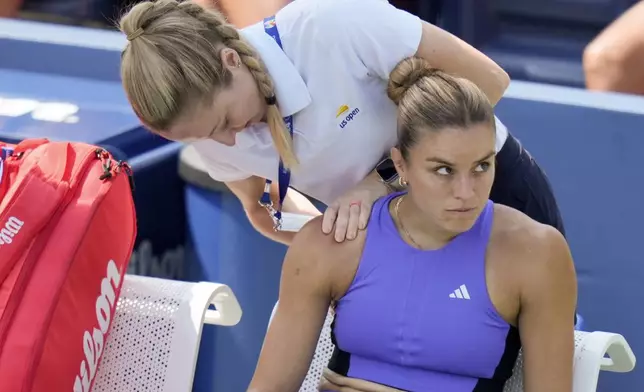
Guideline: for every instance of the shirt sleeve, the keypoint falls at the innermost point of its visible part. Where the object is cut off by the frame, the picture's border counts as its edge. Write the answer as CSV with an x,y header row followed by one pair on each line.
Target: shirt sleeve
x,y
379,34
218,170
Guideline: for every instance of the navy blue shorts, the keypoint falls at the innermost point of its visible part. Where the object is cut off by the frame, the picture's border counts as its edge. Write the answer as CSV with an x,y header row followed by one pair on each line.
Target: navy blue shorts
x,y
521,184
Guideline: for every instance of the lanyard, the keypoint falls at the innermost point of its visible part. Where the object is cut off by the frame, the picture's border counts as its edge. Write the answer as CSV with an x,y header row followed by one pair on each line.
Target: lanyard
x,y
284,175
4,153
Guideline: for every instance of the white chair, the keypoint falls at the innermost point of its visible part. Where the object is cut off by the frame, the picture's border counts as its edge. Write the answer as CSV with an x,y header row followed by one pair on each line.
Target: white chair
x,y
154,338
594,351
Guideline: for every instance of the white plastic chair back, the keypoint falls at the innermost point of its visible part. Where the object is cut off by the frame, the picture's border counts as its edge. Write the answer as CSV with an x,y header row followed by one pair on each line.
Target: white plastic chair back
x,y
154,339
590,351
594,351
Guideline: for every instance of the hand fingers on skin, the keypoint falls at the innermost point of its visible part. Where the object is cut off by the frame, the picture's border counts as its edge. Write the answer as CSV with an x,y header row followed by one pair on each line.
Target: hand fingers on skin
x,y
331,382
354,220
342,222
348,389
328,220
365,213
325,385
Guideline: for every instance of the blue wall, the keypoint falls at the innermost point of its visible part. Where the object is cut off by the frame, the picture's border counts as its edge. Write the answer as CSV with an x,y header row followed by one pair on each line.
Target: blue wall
x,y
592,147
78,52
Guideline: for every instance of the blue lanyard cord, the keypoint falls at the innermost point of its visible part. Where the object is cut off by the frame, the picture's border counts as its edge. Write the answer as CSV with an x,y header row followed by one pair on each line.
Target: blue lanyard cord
x,y
4,153
284,175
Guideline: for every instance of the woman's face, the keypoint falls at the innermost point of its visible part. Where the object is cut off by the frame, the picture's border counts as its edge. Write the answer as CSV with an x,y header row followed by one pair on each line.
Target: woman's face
x,y
232,110
450,174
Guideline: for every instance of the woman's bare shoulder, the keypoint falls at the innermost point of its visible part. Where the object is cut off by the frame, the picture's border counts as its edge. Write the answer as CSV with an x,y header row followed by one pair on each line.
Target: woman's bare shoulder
x,y
323,259
515,231
524,243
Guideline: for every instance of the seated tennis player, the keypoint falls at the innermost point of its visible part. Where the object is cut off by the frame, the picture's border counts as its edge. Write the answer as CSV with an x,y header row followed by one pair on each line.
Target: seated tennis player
x,y
444,287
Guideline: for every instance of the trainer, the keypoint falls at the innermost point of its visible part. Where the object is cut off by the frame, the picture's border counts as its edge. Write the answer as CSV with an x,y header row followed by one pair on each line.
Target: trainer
x,y
296,105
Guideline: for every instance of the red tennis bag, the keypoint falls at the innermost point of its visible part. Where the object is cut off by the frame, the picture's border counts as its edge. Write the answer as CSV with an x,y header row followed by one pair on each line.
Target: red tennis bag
x,y
67,229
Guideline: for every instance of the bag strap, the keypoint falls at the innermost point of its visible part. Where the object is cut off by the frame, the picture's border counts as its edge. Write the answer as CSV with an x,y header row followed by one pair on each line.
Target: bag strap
x,y
39,186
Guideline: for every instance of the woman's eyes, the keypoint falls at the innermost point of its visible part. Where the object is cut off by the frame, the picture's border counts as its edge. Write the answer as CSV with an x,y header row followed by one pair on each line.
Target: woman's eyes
x,y
446,170
482,167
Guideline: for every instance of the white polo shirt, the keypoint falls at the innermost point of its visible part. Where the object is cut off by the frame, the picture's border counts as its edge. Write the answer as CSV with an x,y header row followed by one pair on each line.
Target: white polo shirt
x,y
332,77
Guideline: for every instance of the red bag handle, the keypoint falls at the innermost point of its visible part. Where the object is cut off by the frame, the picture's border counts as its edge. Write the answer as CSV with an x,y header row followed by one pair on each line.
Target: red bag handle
x,y
25,145
29,144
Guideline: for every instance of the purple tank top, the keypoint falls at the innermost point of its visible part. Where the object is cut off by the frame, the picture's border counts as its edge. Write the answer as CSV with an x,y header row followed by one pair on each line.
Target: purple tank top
x,y
420,320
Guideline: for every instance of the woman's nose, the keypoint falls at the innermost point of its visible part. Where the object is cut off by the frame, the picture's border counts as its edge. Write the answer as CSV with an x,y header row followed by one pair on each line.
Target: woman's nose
x,y
464,187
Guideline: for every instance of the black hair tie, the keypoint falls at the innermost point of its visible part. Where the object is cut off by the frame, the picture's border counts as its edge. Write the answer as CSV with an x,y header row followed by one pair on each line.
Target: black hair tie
x,y
271,100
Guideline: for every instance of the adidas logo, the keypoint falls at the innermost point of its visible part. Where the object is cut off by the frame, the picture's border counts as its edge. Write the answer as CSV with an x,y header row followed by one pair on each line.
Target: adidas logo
x,y
460,293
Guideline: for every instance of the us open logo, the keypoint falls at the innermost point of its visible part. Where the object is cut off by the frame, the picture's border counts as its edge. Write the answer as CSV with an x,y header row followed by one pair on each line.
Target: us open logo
x,y
347,114
270,23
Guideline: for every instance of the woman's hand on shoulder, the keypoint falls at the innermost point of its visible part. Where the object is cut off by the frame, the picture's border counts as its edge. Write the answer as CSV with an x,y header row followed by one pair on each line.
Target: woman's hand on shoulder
x,y
350,212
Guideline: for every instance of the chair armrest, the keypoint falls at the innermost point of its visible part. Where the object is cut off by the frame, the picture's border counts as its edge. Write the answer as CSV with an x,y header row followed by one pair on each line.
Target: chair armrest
x,y
613,350
590,351
227,311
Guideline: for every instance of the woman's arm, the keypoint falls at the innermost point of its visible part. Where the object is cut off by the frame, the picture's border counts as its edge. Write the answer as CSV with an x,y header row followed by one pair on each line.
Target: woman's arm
x,y
380,35
548,303
10,8
350,212
297,203
249,192
613,60
455,56
305,294
243,13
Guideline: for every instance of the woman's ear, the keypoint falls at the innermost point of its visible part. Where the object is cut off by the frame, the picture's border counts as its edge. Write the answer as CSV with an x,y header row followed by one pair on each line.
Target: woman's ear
x,y
230,59
399,162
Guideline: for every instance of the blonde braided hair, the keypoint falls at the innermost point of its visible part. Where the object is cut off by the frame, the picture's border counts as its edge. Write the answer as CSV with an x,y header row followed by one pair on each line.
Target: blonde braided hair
x,y
172,63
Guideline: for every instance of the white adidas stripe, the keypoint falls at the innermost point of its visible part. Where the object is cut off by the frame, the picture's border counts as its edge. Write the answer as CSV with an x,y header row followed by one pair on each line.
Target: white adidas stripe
x,y
460,293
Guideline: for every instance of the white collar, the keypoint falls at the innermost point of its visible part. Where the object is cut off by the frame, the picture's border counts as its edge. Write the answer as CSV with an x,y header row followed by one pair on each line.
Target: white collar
x,y
290,90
